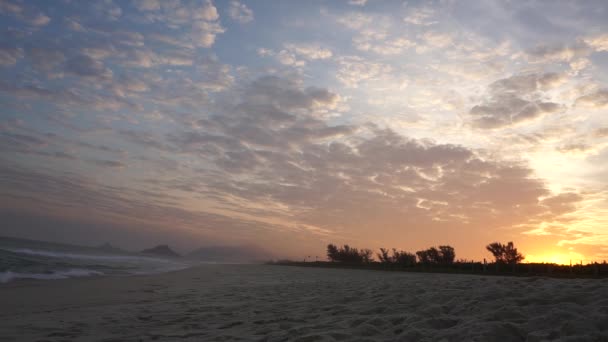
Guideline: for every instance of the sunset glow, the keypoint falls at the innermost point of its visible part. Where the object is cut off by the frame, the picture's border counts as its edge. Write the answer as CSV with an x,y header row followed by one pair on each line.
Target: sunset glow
x,y
289,125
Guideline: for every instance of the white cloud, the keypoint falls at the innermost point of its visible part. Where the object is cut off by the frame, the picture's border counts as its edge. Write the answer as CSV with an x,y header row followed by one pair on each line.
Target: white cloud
x,y
204,33
10,55
207,12
599,42
39,20
373,34
309,51
357,2
240,12
420,16
286,57
355,70
597,99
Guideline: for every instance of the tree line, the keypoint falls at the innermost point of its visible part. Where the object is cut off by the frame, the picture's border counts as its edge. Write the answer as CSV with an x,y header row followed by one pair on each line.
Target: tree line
x,y
441,255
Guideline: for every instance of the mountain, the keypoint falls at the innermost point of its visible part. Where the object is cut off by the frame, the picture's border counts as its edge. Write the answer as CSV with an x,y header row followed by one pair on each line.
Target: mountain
x,y
237,254
161,250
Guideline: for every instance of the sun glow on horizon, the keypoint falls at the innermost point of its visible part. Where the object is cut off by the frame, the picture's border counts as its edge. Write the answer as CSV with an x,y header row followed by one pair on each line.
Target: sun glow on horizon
x,y
556,258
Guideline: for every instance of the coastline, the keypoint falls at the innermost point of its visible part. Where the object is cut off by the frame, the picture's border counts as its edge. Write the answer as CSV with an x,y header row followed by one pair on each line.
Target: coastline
x,y
264,302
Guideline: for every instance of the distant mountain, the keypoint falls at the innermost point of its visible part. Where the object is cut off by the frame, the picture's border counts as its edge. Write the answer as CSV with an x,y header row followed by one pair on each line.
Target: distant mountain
x,y
237,254
161,250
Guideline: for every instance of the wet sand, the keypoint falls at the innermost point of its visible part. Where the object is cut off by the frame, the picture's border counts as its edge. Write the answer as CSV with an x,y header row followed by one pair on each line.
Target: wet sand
x,y
278,303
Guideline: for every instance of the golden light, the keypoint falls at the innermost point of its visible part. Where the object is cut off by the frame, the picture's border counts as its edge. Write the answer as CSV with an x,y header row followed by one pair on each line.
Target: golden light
x,y
556,258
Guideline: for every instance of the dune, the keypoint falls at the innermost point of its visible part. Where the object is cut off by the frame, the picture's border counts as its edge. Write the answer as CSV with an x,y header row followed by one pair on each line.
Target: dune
x,y
277,303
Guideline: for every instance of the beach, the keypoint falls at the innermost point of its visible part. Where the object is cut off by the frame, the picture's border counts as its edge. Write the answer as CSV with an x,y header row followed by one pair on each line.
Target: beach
x,y
280,303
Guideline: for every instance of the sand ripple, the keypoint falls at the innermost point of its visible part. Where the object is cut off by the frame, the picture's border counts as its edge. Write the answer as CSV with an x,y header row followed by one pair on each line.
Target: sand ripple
x,y
274,303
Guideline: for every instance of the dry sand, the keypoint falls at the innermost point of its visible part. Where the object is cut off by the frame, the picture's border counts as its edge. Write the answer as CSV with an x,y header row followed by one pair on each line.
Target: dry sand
x,y
278,303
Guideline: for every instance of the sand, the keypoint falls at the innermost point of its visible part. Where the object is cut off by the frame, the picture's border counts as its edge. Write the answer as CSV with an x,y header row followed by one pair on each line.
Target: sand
x,y
279,303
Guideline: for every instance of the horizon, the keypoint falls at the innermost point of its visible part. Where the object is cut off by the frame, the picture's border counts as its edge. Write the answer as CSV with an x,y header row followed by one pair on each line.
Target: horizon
x,y
292,125
305,258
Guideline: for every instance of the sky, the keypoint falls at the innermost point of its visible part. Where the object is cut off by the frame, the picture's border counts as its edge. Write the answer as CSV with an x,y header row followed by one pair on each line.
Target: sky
x,y
293,124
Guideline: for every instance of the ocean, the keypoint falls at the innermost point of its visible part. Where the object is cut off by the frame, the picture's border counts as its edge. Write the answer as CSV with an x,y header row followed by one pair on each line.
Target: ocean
x,y
29,259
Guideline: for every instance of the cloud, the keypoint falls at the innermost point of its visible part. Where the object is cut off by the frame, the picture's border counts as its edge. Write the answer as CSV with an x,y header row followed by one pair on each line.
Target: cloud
x,y
420,16
558,52
309,51
10,55
297,55
378,174
10,7
135,86
357,2
240,12
108,9
147,5
109,163
199,20
354,71
514,100
437,39
27,14
85,66
601,132
204,33
575,148
597,99
598,42
375,33
45,59
288,58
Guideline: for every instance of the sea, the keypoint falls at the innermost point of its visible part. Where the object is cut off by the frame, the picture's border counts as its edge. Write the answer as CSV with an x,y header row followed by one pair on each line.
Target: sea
x,y
30,259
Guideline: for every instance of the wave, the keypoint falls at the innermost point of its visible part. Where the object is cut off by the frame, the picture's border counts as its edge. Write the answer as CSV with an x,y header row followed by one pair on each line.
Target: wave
x,y
83,256
7,276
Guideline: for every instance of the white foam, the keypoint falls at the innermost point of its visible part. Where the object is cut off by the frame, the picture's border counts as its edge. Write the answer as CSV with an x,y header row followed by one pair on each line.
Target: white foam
x,y
7,276
83,256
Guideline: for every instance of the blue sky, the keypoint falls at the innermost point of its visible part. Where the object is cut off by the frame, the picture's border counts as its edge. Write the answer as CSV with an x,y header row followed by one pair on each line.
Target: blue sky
x,y
294,124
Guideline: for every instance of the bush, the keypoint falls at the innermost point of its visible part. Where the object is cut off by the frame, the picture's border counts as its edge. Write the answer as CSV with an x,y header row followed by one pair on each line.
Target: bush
x,y
349,254
445,255
505,254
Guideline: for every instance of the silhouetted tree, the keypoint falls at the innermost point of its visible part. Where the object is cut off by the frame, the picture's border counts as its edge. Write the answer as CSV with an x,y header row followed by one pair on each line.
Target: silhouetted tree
x,y
384,257
505,254
367,255
512,256
445,255
497,250
332,252
403,258
423,257
434,255
448,255
349,254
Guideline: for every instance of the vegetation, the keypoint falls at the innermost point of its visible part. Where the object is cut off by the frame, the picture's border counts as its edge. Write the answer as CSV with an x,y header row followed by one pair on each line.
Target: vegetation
x,y
444,255
442,259
401,258
349,254
505,254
